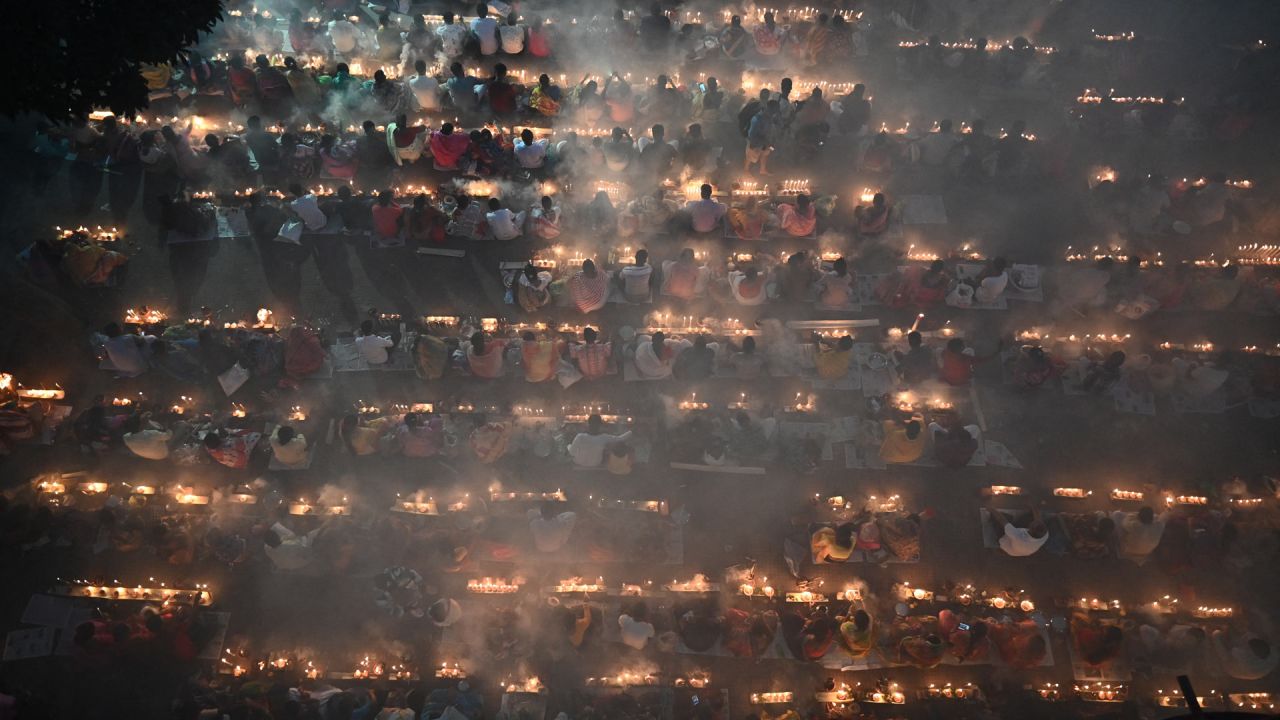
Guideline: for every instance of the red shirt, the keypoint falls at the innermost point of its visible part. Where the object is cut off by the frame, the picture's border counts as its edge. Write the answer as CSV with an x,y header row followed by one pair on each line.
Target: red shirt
x,y
384,219
593,359
538,44
957,368
502,96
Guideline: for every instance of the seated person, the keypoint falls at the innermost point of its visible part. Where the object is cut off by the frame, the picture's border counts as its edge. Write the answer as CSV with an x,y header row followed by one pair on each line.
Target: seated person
x,y
1244,656
799,220
915,285
532,288
796,278
969,642
504,224
635,627
835,287
619,458
832,361
1096,376
373,348
485,356
127,353
683,278
832,544
1016,540
904,440
954,443
696,362
540,358
289,447
1138,533
1198,379
448,148
146,439
857,634
958,362
1020,644
588,447
749,634
749,220
231,448
809,639
551,529
872,220
990,284
635,280
655,357
1177,647
431,355
747,364
1092,534
747,286
545,219
365,439
1097,642
1034,367
698,625
588,288
922,651
705,213
918,364
419,437
747,441
592,357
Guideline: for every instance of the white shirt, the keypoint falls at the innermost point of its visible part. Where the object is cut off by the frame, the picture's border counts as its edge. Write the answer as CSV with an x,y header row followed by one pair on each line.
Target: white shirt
x,y
935,147
635,280
502,223
587,450
990,288
551,535
452,38
735,279
650,365
706,214
294,552
484,30
374,348
512,39
426,90
1136,539
308,208
635,633
149,443
126,353
1018,542
291,453
531,155
343,35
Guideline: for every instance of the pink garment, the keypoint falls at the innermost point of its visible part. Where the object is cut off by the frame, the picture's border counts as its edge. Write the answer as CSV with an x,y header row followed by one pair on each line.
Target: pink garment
x,y
794,223
448,150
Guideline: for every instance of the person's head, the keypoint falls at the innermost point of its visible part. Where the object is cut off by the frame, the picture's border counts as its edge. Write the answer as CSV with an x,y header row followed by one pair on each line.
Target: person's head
x,y
385,197
1115,360
439,611
844,535
955,345
736,21
544,81
446,129
482,9
589,268
915,339
763,96
999,264
748,345
659,132
772,107
546,203
705,191
111,330
768,19
494,205
262,62
420,202
859,90
1106,527
751,274
366,327
1260,648
455,69
511,20
344,192
379,77
840,267
1146,515
802,202
526,136
700,343
341,69
1037,529
286,433
861,620
589,334
877,200
658,340
500,70
531,272
412,420
845,343
686,255
236,62
595,424
912,429
477,342
642,257
213,440
84,634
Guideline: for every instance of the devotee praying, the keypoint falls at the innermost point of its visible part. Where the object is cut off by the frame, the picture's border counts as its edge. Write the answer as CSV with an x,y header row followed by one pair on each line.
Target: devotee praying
x,y
289,447
551,529
1138,532
1018,540
588,446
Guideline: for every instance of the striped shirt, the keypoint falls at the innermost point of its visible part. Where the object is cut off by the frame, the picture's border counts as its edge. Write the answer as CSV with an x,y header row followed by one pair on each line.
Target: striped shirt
x,y
593,359
588,294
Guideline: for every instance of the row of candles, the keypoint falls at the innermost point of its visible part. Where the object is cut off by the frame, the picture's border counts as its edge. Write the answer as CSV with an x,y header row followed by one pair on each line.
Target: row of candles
x,y
1166,604
197,594
98,233
992,46
1091,96
1121,495
1040,335
8,385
